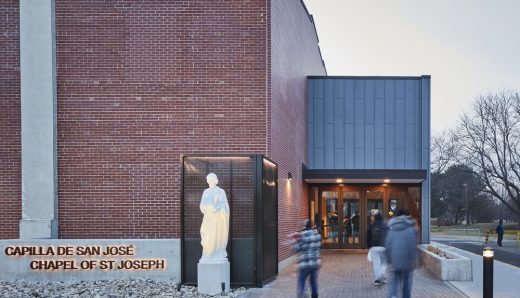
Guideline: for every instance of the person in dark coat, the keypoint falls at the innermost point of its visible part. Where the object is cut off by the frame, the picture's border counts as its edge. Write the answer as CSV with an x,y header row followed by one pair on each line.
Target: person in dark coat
x,y
376,235
500,232
308,244
401,252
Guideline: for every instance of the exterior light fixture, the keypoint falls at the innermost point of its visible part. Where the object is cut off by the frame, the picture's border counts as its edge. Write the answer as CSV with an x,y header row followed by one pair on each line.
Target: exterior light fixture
x,y
289,176
339,180
386,180
488,252
488,272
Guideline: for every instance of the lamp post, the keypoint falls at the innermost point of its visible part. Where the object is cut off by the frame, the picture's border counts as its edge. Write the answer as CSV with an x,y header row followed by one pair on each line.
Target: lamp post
x,y
467,211
488,254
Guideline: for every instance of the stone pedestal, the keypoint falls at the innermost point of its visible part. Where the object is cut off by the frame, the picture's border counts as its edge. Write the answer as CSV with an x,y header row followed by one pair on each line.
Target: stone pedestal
x,y
210,276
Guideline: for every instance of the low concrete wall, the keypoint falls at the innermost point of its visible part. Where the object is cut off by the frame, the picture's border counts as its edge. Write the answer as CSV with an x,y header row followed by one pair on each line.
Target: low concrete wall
x,y
454,267
90,259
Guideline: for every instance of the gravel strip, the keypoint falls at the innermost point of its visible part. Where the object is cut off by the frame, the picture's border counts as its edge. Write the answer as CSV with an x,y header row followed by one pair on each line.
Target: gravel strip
x,y
102,289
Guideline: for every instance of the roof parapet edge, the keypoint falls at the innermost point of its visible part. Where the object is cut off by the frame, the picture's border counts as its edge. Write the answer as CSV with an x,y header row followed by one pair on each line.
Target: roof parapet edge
x,y
311,18
371,77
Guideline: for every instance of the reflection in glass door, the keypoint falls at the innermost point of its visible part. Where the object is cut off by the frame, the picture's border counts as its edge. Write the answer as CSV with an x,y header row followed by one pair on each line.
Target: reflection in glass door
x,y
351,215
330,217
375,204
395,201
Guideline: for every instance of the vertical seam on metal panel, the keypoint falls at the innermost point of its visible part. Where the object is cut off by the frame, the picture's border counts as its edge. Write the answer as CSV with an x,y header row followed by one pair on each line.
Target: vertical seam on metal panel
x,y
307,122
384,124
373,125
345,157
323,122
395,125
312,145
421,122
333,99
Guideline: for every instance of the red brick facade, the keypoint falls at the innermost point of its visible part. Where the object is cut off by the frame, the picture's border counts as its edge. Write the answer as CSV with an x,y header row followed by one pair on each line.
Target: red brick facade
x,y
139,84
142,82
294,55
10,123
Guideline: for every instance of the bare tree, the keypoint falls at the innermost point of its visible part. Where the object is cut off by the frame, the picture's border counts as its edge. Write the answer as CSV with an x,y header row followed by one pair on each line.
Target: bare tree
x,y
443,152
454,189
489,141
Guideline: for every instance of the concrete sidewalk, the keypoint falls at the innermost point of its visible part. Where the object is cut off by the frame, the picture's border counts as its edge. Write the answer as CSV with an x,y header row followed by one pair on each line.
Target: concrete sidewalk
x,y
506,282
347,273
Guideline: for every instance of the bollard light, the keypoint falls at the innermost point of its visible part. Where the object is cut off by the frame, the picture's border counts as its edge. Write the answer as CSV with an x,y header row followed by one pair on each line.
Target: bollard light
x,y
488,254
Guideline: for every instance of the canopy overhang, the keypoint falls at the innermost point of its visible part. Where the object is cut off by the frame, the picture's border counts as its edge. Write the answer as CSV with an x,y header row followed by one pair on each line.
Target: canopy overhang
x,y
363,176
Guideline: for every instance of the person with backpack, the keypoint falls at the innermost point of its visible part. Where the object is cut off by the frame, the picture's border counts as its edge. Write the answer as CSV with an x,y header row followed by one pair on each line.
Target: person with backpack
x,y
376,235
308,244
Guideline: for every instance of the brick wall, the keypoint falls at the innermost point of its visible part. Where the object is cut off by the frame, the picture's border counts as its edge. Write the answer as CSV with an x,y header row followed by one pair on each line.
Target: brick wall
x,y
294,55
142,82
139,84
10,125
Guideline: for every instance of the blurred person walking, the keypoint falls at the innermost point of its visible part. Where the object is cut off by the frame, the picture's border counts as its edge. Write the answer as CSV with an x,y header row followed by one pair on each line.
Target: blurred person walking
x,y
376,235
401,252
308,244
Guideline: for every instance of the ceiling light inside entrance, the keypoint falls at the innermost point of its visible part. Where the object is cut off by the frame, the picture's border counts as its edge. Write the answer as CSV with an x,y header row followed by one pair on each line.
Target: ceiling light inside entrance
x,y
386,180
339,180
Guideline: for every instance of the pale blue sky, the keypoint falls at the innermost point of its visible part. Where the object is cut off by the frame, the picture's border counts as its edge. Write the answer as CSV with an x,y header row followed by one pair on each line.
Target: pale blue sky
x,y
469,47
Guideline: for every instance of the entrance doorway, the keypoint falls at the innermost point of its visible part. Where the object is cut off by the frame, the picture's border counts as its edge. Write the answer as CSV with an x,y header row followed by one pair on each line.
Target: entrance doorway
x,y
342,213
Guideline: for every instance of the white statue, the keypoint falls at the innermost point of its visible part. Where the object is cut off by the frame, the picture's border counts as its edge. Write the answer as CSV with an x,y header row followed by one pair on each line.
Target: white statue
x,y
215,224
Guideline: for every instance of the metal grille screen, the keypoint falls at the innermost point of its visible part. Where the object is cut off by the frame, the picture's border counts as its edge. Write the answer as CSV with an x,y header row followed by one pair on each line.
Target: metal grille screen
x,y
236,176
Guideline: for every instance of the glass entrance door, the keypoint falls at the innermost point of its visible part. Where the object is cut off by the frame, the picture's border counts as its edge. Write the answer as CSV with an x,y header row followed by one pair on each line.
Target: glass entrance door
x,y
329,207
343,213
375,198
351,207
340,216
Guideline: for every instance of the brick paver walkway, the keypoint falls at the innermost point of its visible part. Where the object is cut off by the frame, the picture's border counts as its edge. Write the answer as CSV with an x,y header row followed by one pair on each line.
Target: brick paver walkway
x,y
347,273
